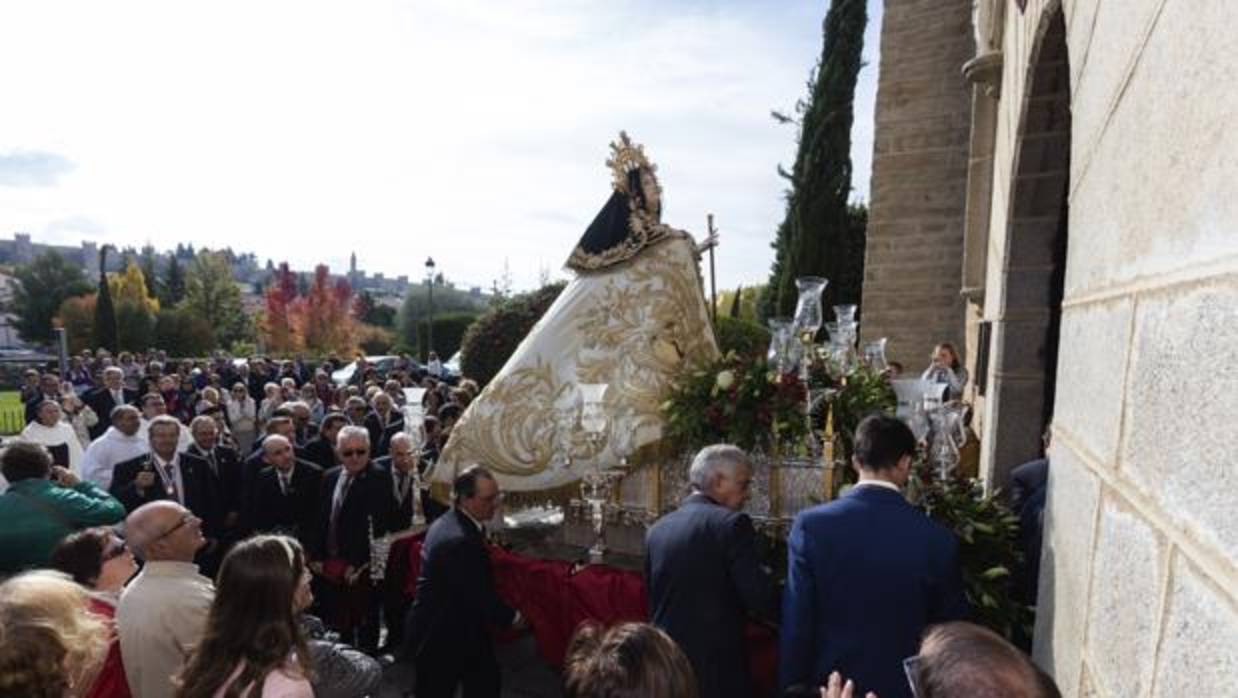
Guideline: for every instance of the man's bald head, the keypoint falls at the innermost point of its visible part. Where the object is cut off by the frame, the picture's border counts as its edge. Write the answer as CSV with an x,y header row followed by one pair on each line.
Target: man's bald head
x,y
277,451
164,530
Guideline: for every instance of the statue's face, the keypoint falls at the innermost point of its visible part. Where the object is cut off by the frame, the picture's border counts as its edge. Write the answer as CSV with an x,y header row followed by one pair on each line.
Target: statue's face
x,y
649,187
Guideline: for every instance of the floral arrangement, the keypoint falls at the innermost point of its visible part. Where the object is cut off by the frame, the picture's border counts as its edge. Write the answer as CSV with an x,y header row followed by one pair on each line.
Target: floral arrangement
x,y
736,399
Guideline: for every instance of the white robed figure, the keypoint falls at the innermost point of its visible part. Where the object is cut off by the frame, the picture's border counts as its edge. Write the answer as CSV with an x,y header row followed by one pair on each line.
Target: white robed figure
x,y
634,317
50,429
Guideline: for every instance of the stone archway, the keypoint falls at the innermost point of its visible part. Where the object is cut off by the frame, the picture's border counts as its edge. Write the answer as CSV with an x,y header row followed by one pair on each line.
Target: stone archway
x,y
1032,273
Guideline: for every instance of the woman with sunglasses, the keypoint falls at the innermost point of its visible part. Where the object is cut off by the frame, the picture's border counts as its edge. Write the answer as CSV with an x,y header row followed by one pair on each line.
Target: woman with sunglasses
x,y
254,644
101,562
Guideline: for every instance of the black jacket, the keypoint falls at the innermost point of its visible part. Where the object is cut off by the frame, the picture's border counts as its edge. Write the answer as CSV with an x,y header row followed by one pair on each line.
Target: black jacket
x,y
225,477
100,400
456,601
195,473
268,509
704,584
320,451
374,425
368,500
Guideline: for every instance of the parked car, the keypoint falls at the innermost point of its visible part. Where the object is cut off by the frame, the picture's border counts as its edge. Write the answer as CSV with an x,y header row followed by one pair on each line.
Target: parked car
x,y
382,364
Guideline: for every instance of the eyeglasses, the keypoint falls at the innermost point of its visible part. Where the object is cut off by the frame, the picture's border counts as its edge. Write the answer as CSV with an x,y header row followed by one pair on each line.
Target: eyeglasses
x,y
911,667
354,452
184,520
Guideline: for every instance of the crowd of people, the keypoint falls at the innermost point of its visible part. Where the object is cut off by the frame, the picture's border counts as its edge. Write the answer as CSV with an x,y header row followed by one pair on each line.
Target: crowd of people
x,y
205,531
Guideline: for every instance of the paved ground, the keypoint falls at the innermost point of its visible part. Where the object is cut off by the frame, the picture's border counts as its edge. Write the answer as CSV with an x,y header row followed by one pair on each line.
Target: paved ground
x,y
525,674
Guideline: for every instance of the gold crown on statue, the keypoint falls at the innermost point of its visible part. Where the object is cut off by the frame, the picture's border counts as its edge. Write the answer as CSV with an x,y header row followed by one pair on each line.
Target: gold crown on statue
x,y
625,157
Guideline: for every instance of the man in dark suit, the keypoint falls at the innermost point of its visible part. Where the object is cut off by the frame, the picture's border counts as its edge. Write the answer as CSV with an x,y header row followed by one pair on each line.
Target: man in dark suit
x,y
354,499
165,474
283,497
321,449
1029,489
702,573
223,472
866,574
448,630
107,397
49,389
382,417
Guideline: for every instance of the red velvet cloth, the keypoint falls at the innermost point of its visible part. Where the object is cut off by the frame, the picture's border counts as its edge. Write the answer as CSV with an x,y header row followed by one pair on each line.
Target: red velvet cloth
x,y
111,681
555,601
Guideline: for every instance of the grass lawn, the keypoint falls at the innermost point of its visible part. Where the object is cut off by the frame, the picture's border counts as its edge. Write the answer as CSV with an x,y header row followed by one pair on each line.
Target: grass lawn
x,y
12,412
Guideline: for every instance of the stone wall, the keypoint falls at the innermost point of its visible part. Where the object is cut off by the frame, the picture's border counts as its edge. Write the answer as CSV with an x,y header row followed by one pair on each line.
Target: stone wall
x,y
1139,586
913,266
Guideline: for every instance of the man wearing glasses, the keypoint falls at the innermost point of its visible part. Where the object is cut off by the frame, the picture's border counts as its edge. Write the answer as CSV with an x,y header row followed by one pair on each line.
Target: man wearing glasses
x,y
162,612
866,574
355,499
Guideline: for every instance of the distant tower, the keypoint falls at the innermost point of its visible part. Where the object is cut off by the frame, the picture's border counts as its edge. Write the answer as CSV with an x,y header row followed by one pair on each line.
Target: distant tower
x,y
90,259
352,266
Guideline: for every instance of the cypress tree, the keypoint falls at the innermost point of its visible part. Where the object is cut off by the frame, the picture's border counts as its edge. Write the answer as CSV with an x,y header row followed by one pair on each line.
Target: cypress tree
x,y
105,312
817,237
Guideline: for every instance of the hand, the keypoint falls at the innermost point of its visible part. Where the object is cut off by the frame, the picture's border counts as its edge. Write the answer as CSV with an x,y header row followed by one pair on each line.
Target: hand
x,y
520,622
64,476
316,568
144,480
835,688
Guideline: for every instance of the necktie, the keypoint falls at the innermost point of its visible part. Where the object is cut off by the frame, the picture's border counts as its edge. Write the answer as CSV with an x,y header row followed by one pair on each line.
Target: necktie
x,y
333,538
401,483
210,458
118,397
170,471
283,483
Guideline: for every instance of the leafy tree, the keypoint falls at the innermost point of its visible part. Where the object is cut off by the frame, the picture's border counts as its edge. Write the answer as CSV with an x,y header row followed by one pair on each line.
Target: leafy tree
x,y
212,294
449,330
172,286
277,327
416,306
130,287
147,265
42,285
818,237
182,333
323,317
105,310
135,325
77,317
742,302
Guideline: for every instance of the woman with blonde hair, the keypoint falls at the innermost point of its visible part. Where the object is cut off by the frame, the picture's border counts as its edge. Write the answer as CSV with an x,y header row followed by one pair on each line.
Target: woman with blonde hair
x,y
51,645
254,645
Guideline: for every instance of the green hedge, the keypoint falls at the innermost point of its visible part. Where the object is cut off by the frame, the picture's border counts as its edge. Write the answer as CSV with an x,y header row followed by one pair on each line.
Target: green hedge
x,y
741,336
449,330
490,342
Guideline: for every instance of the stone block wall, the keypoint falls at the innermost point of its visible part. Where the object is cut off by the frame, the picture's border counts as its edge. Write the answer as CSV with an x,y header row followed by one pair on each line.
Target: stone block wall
x,y
1139,586
913,266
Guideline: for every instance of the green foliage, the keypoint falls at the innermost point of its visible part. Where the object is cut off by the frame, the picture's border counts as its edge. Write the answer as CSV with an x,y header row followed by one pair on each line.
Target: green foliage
x,y
492,339
821,234
375,341
737,400
105,310
212,294
449,332
41,286
182,333
864,392
989,549
77,317
243,348
135,326
172,285
416,307
742,303
742,337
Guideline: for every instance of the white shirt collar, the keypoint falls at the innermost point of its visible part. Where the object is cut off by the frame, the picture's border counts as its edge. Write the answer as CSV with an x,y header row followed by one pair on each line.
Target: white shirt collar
x,y
175,460
480,526
879,483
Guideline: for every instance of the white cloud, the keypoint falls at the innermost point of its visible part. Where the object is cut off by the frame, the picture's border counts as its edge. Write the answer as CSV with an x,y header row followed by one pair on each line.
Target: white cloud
x,y
472,131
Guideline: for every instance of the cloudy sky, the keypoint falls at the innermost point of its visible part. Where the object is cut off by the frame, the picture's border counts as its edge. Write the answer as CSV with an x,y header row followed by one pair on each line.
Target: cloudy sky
x,y
474,131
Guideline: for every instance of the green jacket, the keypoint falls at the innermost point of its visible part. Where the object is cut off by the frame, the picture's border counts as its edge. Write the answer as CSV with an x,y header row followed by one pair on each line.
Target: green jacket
x,y
36,514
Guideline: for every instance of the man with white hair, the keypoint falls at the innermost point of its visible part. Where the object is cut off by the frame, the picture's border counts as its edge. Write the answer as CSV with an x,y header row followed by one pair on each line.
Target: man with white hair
x,y
356,497
108,397
703,576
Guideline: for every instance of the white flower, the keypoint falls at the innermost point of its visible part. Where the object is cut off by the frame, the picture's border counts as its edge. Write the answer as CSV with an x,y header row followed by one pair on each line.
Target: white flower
x,y
725,380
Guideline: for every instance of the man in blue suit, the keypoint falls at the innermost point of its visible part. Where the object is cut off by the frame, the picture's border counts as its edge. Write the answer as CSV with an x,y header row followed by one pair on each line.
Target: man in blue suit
x,y
703,576
867,574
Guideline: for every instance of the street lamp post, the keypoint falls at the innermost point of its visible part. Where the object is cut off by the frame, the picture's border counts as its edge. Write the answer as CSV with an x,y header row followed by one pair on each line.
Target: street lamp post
x,y
430,313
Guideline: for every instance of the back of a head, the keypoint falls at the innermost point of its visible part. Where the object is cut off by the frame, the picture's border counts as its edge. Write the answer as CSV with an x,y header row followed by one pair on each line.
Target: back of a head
x,y
962,660
25,460
48,639
881,440
631,660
